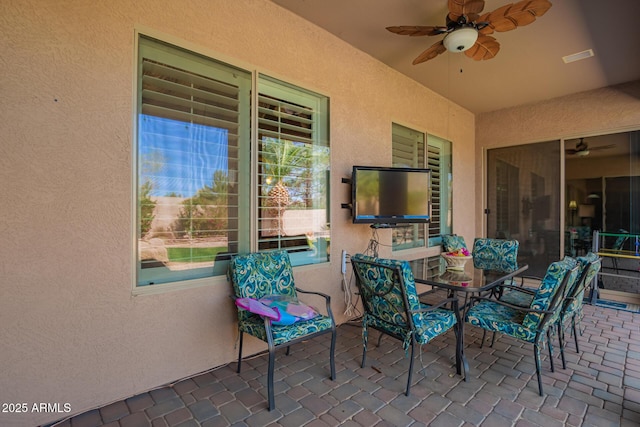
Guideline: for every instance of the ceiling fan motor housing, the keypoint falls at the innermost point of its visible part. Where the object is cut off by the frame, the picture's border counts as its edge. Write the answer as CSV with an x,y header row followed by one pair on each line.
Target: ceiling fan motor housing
x,y
461,39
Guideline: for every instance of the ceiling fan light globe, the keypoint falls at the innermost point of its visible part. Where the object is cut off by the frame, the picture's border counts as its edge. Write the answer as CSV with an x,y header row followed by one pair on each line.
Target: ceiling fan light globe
x,y
460,39
583,153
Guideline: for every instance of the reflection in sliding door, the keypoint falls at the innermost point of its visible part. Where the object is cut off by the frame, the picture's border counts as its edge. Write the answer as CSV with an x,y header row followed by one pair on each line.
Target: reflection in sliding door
x,y
523,199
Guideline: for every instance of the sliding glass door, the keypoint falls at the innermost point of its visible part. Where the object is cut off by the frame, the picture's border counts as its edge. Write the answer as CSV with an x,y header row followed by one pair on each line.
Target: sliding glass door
x,y
523,201
602,190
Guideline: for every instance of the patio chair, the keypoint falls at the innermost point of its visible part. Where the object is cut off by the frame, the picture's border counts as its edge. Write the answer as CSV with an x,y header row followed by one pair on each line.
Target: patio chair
x,y
588,267
266,274
495,254
452,242
616,249
531,324
572,306
392,307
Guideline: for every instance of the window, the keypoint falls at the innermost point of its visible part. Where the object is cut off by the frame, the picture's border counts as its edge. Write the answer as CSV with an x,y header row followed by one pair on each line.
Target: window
x,y
439,161
409,150
203,193
293,172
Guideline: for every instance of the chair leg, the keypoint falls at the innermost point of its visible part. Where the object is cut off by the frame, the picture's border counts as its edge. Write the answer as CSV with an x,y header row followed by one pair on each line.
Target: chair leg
x,y
272,356
561,342
493,339
536,355
484,335
575,332
240,351
461,362
288,350
550,349
365,339
332,359
364,354
410,374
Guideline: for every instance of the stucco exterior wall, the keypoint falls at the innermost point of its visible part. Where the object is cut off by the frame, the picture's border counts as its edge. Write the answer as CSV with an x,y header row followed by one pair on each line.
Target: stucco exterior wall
x,y
70,329
602,111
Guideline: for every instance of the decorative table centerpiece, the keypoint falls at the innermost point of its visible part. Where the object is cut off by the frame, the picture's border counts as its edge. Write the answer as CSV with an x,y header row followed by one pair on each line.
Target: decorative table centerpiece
x,y
456,259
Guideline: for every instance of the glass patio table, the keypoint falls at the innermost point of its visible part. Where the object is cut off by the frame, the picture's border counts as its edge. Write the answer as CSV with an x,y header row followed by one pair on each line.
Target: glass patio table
x,y
468,281
461,283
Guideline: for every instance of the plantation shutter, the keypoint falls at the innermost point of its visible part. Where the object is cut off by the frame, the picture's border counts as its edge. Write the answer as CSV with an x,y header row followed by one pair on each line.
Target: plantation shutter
x,y
193,120
408,150
290,138
433,163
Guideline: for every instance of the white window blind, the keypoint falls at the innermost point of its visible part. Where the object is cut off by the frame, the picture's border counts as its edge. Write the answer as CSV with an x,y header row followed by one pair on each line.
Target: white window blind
x,y
433,163
439,161
193,114
293,164
408,150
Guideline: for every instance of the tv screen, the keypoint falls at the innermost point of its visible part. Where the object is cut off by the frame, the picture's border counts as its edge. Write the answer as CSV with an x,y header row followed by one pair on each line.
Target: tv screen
x,y
385,195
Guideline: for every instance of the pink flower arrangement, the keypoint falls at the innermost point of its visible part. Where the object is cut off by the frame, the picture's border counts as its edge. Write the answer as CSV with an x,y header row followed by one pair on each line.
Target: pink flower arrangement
x,y
459,252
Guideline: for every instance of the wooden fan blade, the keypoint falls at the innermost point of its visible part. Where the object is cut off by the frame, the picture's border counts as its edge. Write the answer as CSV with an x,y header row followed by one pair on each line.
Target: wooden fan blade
x,y
417,30
486,47
571,151
433,51
458,8
512,16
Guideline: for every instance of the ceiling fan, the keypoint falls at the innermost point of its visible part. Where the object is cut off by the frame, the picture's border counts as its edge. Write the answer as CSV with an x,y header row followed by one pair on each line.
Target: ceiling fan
x,y
466,31
582,148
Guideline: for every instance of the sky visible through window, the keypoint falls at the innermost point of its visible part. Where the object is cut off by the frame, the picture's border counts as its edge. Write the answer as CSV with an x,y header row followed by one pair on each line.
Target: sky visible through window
x,y
180,158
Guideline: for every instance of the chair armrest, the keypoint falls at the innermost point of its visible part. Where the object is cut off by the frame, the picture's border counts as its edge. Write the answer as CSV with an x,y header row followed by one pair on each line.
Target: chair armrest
x,y
326,297
522,278
431,291
440,303
519,289
302,291
530,277
497,291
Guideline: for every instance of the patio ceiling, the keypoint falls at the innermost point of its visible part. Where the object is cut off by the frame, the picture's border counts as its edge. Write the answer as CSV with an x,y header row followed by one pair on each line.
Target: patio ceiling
x,y
529,66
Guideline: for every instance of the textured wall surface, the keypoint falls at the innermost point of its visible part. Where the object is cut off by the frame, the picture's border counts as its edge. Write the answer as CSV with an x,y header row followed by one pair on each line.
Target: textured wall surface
x,y
71,331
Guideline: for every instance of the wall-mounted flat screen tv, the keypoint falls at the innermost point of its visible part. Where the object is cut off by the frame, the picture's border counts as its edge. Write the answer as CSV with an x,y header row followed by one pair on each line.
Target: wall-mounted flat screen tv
x,y
386,195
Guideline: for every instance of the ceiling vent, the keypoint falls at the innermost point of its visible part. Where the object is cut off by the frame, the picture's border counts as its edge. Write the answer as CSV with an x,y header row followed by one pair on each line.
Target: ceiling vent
x,y
578,56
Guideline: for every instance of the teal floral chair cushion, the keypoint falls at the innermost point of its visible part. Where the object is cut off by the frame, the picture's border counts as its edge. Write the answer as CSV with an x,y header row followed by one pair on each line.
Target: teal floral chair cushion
x,y
547,290
523,296
533,323
495,254
262,274
259,275
281,334
571,309
390,309
392,306
590,265
453,242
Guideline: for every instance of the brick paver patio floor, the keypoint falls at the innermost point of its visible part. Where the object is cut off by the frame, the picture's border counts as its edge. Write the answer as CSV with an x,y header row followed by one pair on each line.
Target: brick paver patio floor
x,y
600,387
